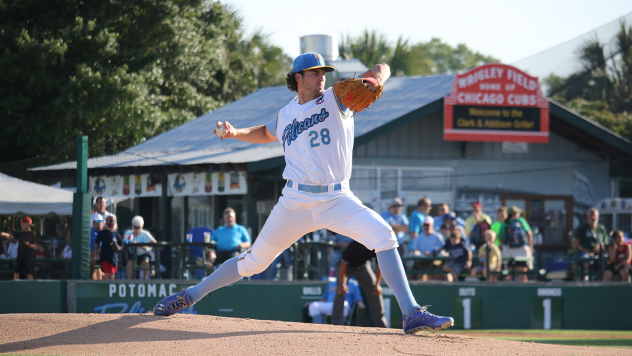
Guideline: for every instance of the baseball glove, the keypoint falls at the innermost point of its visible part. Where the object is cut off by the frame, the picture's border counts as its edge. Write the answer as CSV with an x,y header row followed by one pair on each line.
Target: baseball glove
x,y
354,94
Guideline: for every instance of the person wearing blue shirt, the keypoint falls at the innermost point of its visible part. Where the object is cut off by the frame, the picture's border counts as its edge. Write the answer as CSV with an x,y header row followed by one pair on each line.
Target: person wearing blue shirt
x,y
398,221
230,238
417,219
429,241
426,244
325,306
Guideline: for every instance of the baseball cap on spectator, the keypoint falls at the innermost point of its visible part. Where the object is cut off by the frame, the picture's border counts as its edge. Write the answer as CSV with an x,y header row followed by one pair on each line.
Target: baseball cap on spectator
x,y
449,216
96,217
514,210
428,220
310,60
396,202
26,220
476,202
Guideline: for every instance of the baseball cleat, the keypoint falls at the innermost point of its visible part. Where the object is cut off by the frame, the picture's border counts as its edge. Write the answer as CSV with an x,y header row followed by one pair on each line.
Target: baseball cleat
x,y
422,319
173,304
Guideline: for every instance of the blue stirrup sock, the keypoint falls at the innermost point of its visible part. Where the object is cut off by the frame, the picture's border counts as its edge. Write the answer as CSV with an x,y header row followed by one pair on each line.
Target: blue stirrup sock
x,y
394,275
226,274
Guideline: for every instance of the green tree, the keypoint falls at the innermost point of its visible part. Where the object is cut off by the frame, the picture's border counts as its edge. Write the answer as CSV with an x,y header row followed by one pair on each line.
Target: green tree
x,y
370,48
621,123
602,89
433,57
448,59
120,71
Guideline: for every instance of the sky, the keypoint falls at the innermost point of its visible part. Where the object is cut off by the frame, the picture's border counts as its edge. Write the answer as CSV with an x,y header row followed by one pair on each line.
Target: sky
x,y
509,30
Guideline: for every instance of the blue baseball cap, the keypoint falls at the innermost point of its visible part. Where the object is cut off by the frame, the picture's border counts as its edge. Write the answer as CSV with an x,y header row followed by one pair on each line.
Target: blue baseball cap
x,y
449,216
310,60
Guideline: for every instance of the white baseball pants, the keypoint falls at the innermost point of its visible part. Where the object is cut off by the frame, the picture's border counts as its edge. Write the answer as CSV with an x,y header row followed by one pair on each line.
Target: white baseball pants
x,y
325,308
298,213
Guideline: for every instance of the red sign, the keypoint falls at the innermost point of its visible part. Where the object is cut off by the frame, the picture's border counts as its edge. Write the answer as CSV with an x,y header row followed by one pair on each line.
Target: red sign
x,y
496,103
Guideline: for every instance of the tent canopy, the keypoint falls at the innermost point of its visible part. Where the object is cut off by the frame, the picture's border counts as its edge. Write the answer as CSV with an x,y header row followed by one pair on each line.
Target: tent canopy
x,y
19,196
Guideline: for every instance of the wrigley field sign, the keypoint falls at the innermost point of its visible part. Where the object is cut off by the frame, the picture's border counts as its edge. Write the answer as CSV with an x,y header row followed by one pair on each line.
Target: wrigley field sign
x,y
496,103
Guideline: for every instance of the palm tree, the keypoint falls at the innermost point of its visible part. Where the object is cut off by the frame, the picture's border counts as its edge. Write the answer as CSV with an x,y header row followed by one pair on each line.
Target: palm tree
x,y
604,77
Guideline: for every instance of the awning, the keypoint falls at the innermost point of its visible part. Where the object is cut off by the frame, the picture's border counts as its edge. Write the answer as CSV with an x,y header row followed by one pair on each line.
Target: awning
x,y
19,196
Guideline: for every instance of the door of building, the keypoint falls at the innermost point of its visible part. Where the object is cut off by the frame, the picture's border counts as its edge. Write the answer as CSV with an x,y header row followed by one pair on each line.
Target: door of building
x,y
550,217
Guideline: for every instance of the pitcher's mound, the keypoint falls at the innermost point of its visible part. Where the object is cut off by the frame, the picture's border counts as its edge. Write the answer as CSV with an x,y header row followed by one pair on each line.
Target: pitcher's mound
x,y
187,335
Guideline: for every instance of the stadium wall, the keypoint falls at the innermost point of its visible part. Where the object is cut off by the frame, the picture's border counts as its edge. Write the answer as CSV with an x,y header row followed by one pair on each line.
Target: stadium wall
x,y
473,305
32,297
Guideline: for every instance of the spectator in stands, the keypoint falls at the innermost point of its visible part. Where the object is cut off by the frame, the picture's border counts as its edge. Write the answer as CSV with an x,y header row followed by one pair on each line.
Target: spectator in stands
x,y
461,256
429,241
417,219
516,239
144,254
325,306
619,258
67,251
10,246
443,209
501,216
97,225
477,224
26,244
230,238
590,235
107,245
99,208
58,241
398,221
356,263
495,257
449,221
340,242
427,244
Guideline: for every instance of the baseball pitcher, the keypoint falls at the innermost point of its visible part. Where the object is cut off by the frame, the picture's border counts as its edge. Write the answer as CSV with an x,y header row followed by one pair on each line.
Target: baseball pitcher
x,y
316,131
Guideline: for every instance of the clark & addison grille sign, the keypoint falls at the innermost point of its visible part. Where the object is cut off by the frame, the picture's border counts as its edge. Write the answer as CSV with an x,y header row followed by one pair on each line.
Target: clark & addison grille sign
x,y
496,103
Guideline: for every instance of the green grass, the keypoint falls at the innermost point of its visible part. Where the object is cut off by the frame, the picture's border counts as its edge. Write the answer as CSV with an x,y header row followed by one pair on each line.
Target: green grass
x,y
599,338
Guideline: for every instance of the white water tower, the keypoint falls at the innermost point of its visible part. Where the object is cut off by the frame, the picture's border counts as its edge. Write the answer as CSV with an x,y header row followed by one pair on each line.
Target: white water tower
x,y
326,45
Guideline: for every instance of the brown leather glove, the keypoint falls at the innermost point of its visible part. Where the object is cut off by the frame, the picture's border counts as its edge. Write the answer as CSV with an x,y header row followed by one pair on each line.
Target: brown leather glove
x,y
354,94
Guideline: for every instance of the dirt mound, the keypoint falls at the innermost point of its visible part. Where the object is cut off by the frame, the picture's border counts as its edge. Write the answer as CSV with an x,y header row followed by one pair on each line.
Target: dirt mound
x,y
145,334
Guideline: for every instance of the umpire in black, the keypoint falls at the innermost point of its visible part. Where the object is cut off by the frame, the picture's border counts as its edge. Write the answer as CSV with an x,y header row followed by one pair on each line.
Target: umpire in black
x,y
356,262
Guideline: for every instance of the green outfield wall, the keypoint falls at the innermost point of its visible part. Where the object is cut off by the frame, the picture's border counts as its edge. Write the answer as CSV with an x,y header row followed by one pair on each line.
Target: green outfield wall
x,y
32,297
590,306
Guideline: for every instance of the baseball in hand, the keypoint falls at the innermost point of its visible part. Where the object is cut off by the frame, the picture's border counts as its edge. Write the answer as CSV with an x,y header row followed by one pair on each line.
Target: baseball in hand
x,y
220,131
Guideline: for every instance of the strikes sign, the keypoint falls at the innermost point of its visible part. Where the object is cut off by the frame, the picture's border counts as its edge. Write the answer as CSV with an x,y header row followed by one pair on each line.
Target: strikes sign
x,y
496,103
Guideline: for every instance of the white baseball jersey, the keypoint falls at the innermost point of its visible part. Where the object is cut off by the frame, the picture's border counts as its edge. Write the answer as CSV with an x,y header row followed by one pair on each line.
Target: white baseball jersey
x,y
317,138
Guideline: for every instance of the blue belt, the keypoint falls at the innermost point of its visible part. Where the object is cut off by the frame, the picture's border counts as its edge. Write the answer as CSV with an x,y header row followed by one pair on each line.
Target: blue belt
x,y
314,188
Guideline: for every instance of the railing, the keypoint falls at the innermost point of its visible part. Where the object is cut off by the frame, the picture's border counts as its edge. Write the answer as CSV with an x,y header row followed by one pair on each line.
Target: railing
x,y
52,267
441,259
311,260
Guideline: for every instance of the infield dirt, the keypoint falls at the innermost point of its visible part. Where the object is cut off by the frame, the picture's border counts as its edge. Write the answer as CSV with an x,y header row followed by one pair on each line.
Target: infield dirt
x,y
145,334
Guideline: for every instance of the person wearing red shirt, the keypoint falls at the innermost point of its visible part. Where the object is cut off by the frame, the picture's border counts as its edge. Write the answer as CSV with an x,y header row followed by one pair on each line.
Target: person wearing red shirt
x,y
619,257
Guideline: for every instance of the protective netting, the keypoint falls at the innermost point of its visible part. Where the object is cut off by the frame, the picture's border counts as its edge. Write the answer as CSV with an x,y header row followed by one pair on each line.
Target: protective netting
x,y
563,59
